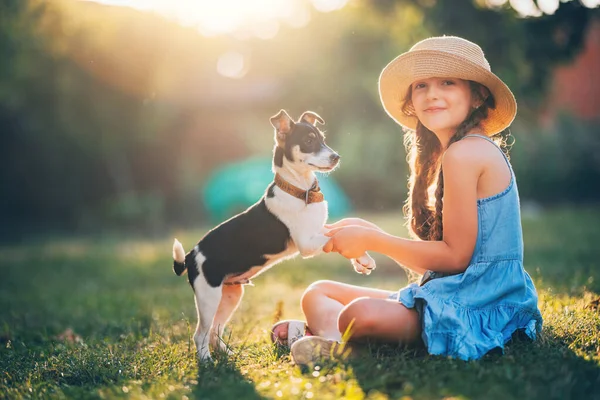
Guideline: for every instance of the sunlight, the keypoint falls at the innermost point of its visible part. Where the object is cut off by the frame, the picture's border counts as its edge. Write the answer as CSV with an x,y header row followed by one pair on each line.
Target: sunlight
x,y
591,3
232,65
329,5
261,18
224,16
526,8
531,8
548,6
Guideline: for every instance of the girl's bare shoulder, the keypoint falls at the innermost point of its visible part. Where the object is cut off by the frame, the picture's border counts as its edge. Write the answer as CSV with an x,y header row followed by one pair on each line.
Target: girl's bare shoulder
x,y
478,157
468,153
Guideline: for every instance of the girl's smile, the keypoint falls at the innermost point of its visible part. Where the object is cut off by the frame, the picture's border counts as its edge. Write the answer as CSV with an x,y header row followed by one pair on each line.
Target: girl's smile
x,y
441,104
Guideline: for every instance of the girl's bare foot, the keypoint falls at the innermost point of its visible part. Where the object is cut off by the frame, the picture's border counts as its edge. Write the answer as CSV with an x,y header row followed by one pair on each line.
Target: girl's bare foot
x,y
286,332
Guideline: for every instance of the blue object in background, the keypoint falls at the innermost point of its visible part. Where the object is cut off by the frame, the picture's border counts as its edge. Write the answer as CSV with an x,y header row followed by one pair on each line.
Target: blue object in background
x,y
235,187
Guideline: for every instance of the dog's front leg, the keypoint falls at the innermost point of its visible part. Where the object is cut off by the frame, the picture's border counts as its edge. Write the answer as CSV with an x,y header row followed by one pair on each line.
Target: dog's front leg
x,y
312,245
207,303
231,297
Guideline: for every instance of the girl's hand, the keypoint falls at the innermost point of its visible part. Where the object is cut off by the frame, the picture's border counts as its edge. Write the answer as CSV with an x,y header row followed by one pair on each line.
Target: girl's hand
x,y
352,221
350,241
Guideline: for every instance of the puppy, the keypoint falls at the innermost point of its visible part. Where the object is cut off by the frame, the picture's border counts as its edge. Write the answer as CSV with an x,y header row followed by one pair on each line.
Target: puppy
x,y
287,220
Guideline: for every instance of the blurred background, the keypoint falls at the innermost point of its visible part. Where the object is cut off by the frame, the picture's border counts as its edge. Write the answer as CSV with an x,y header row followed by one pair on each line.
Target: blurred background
x,y
140,116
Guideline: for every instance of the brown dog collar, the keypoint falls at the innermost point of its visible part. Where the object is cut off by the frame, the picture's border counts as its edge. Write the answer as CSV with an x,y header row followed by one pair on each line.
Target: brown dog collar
x,y
312,195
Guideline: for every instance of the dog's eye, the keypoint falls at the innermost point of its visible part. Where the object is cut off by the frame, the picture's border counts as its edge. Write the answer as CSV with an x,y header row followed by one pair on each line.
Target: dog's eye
x,y
308,141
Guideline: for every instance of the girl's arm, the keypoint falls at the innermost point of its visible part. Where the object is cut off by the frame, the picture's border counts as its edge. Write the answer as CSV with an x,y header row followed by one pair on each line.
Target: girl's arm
x,y
352,221
463,166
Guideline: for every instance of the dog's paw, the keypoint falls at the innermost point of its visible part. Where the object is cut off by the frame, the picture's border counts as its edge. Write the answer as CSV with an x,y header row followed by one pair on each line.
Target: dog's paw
x,y
204,355
225,349
364,264
358,267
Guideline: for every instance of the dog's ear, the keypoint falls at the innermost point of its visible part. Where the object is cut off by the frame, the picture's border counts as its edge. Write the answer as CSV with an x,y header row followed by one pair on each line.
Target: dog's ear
x,y
312,118
283,124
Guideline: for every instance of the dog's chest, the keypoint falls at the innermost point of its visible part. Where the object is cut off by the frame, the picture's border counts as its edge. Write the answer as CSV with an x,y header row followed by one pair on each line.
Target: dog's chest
x,y
300,218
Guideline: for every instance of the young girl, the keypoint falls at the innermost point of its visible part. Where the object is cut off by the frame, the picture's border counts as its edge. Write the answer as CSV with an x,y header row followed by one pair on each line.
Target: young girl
x,y
463,213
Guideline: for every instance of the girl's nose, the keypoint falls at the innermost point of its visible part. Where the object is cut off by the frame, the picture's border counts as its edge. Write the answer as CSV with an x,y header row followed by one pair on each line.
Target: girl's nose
x,y
432,92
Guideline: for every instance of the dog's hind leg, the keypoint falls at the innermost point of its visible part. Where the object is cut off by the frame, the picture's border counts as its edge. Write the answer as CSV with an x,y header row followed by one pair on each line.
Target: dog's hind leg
x,y
230,300
207,304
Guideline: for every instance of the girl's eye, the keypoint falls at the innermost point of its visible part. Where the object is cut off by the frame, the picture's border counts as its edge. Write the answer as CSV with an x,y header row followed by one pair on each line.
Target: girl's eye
x,y
419,85
447,83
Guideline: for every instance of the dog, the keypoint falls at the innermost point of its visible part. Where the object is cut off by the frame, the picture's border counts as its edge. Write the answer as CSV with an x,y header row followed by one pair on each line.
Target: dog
x,y
288,220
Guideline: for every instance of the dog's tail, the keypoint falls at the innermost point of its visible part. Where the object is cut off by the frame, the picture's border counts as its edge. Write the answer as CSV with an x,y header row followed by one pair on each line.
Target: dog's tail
x,y
179,266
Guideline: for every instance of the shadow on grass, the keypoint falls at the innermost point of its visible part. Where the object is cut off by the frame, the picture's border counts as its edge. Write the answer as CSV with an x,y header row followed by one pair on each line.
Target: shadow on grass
x,y
547,369
222,379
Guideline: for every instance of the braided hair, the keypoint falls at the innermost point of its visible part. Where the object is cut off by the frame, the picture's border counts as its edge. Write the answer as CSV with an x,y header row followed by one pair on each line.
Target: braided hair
x,y
422,210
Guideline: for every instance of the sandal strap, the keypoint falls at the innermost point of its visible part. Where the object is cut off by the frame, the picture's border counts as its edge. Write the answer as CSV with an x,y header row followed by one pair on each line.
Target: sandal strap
x,y
296,331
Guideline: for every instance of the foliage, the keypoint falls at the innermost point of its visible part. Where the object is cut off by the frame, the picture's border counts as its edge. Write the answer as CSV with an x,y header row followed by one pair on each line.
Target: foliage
x,y
132,321
114,118
70,142
558,163
522,51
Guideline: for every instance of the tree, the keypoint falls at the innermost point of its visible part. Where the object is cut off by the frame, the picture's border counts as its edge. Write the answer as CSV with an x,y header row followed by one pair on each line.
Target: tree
x,y
522,51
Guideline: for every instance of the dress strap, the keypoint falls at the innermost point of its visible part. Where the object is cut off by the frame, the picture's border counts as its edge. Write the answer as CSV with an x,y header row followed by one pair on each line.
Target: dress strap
x,y
481,136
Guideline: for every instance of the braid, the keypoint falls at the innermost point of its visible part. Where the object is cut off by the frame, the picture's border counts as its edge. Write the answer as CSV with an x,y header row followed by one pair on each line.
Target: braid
x,y
424,149
479,114
436,232
424,154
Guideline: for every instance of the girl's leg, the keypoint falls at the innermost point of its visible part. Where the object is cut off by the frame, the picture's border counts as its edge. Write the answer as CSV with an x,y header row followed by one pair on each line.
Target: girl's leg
x,y
331,308
380,319
324,302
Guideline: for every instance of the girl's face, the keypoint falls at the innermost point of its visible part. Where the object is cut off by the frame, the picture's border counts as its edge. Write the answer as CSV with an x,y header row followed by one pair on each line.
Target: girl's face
x,y
442,104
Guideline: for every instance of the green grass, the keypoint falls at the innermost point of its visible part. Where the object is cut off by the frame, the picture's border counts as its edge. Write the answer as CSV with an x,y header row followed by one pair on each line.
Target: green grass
x,y
135,319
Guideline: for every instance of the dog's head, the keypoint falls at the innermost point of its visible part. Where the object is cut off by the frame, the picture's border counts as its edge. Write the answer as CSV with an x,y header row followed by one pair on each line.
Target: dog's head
x,y
301,143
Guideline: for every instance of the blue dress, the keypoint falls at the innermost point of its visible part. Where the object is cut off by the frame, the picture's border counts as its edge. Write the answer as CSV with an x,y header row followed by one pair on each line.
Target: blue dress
x,y
466,315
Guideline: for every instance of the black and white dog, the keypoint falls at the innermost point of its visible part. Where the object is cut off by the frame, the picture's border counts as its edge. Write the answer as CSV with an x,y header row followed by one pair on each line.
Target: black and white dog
x,y
286,221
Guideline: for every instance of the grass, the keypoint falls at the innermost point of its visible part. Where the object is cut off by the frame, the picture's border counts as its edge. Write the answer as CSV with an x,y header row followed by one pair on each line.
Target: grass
x,y
131,321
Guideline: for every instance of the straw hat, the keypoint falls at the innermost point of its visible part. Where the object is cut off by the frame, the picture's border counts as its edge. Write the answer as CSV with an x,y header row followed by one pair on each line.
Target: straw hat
x,y
445,56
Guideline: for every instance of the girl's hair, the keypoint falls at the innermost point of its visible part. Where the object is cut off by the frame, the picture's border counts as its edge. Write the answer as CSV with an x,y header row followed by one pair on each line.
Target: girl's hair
x,y
423,208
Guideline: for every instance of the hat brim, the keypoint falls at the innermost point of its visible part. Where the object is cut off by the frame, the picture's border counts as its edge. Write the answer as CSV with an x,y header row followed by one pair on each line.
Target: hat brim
x,y
400,73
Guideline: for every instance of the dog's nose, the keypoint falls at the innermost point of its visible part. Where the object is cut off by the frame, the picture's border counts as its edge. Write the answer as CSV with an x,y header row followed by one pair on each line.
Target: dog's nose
x,y
334,157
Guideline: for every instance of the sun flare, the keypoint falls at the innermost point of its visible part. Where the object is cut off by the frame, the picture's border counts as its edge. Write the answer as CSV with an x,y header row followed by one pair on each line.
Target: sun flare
x,y
260,18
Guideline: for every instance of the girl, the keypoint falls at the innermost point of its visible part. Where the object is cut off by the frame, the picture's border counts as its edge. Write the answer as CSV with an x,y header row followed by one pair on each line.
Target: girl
x,y
463,214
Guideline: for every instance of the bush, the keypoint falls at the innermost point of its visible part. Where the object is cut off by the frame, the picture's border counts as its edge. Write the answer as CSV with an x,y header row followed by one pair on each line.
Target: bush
x,y
560,163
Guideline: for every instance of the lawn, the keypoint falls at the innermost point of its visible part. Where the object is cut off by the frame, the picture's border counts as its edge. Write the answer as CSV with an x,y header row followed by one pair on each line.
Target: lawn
x,y
107,318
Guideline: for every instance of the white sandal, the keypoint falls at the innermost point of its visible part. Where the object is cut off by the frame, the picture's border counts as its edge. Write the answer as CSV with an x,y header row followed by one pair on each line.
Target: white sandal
x,y
296,330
